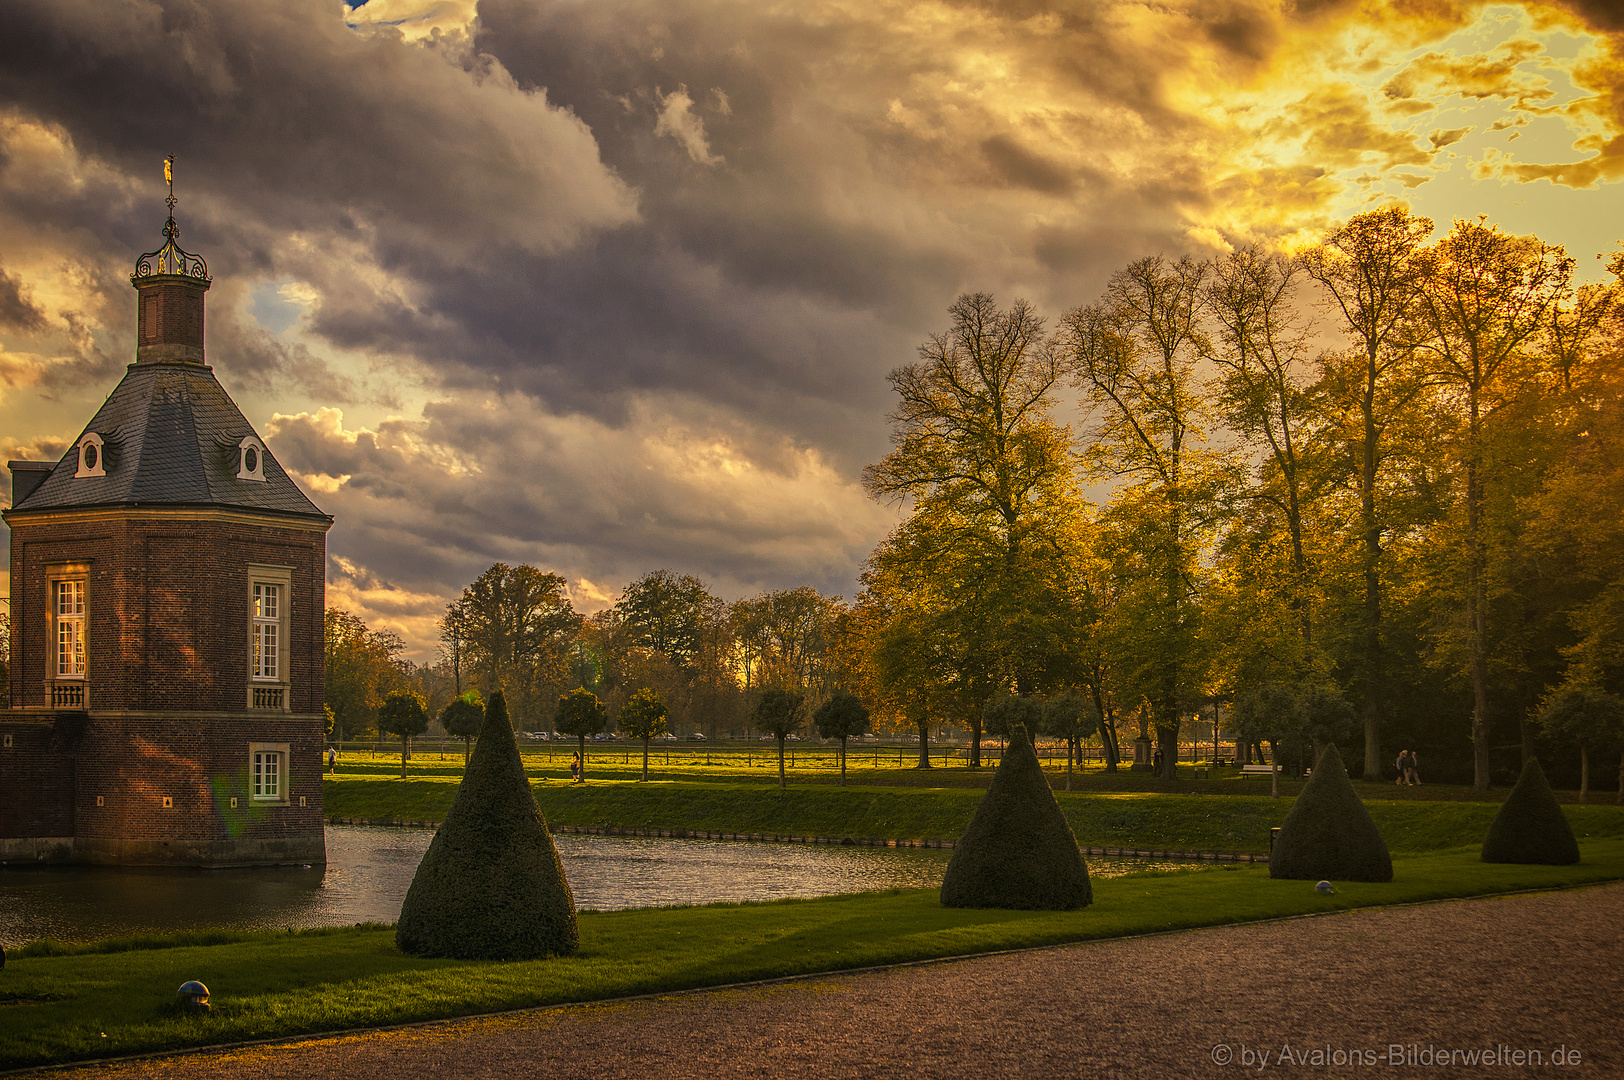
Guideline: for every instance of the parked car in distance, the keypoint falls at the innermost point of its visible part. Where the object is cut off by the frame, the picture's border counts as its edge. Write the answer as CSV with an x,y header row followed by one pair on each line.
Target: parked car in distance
x,y
669,736
696,736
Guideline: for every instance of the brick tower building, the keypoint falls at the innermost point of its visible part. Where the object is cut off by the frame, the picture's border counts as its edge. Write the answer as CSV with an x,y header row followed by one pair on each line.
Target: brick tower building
x,y
167,588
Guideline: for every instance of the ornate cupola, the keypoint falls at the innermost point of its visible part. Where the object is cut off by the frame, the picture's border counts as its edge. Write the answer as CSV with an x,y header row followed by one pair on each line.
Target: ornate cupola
x,y
167,593
170,282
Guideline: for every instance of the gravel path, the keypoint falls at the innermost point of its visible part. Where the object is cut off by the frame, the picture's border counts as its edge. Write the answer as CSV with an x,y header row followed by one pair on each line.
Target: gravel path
x,y
1524,973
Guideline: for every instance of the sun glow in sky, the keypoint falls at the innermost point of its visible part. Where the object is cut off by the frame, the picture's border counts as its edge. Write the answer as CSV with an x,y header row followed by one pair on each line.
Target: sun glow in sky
x,y
614,286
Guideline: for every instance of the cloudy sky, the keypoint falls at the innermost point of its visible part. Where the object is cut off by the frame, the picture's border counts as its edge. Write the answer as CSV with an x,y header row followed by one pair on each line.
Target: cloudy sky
x,y
613,285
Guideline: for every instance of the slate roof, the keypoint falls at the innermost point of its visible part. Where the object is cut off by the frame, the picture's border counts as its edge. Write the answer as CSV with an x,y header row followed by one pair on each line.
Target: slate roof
x,y
170,436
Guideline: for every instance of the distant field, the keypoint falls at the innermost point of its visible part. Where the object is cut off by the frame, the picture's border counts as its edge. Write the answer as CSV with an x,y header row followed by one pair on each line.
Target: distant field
x,y
871,765
1198,820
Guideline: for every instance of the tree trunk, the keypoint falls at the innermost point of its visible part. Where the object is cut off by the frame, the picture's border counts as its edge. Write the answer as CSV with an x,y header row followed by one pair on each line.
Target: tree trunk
x,y
1620,799
975,743
405,743
645,761
1071,744
465,741
843,761
1110,743
924,745
1167,739
1274,772
581,741
782,782
1584,774
1372,552
1476,616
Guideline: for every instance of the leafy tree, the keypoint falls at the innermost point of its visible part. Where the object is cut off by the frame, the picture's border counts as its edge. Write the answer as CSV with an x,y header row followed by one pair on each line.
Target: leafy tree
x,y
1372,270
490,886
841,717
1591,719
453,641
516,627
989,473
463,718
1262,350
1576,534
785,635
1006,712
1134,357
361,668
580,713
1484,296
643,717
1073,717
1273,714
778,713
404,716
917,660
666,612
1293,720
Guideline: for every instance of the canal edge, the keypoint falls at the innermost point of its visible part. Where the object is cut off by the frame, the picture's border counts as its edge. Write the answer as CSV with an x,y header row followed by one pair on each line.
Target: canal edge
x,y
1167,854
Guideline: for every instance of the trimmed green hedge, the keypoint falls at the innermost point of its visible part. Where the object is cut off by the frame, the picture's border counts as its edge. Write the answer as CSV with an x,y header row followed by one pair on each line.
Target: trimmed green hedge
x,y
1530,827
1329,834
490,886
1018,852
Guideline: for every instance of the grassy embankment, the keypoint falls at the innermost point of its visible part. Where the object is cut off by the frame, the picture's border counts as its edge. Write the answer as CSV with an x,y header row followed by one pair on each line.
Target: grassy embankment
x,y
94,1001
1207,822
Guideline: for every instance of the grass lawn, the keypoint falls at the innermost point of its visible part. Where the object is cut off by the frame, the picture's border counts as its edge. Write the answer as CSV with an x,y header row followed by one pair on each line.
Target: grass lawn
x,y
91,1002
1198,820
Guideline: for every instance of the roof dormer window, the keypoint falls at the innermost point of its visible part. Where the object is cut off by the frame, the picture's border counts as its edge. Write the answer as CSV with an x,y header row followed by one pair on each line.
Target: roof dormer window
x,y
92,456
251,460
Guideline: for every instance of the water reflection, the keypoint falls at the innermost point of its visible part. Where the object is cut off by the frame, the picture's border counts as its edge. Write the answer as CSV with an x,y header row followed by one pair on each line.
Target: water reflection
x,y
369,869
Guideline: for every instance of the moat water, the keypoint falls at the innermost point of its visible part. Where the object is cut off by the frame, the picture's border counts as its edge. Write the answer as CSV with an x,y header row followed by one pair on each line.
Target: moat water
x,y
369,869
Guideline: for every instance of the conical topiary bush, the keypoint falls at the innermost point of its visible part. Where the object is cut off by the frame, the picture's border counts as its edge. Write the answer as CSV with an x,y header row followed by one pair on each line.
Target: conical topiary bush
x,y
1530,827
490,886
1019,851
1329,834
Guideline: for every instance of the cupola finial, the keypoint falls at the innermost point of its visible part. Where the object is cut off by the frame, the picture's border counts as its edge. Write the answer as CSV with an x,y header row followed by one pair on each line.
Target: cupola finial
x,y
171,258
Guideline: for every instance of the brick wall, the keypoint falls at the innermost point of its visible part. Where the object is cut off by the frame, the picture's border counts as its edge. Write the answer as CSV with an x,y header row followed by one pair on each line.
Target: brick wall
x,y
36,781
200,763
167,601
169,313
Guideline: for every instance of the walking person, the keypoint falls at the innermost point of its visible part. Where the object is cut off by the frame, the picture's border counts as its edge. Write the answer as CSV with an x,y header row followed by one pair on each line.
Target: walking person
x,y
332,759
575,767
1411,776
1398,764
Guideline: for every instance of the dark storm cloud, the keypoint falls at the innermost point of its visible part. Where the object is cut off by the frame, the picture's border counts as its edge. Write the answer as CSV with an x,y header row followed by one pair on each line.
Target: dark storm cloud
x,y
303,123
647,262
17,311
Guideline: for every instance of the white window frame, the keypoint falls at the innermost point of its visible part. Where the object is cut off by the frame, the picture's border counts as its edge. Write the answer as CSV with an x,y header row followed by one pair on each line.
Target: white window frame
x,y
57,576
262,623
268,761
97,467
257,473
